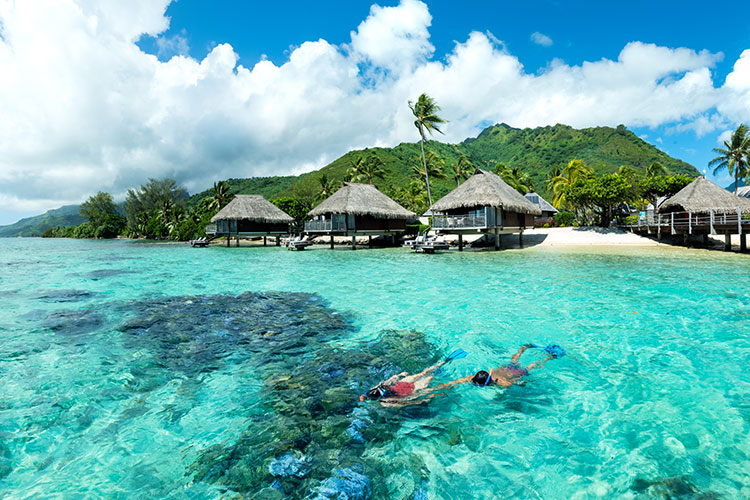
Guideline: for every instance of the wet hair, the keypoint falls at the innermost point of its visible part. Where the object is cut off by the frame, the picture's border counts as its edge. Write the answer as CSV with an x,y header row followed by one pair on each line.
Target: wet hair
x,y
480,378
377,392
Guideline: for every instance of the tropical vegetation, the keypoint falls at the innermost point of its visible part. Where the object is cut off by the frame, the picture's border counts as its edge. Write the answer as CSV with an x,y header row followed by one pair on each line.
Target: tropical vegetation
x,y
734,156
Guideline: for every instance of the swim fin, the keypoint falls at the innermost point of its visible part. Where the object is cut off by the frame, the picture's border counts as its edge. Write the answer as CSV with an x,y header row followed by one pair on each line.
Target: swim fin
x,y
555,351
457,354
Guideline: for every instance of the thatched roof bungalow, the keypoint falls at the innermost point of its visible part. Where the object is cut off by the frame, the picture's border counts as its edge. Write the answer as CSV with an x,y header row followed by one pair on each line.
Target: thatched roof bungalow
x,y
250,215
484,202
358,209
703,197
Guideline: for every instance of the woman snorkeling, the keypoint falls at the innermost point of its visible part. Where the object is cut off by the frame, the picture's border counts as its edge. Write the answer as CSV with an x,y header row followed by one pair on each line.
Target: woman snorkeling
x,y
403,389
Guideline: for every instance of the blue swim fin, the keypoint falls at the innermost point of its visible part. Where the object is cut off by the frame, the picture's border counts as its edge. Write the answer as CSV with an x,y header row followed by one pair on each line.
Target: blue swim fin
x,y
457,354
555,351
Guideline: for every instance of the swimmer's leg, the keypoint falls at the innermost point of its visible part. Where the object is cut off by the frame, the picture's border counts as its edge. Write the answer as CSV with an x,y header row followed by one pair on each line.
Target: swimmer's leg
x,y
517,355
535,365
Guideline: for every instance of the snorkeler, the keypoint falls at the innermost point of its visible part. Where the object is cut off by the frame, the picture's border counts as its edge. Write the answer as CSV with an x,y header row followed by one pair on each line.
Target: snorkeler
x,y
403,389
509,374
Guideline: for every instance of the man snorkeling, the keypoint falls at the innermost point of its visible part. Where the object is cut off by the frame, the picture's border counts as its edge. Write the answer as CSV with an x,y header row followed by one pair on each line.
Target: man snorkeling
x,y
403,389
511,373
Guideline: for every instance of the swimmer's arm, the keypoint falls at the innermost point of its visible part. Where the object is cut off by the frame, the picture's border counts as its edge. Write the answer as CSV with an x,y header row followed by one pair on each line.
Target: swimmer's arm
x,y
458,381
394,378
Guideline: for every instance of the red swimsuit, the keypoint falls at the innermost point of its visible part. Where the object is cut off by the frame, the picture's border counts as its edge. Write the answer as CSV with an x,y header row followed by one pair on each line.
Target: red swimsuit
x,y
403,389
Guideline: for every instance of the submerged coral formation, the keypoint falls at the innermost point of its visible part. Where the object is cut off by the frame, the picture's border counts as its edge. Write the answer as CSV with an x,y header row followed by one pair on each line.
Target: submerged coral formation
x,y
310,441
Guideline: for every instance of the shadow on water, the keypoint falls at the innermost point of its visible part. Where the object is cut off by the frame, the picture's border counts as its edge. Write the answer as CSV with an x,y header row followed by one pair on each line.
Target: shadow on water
x,y
311,438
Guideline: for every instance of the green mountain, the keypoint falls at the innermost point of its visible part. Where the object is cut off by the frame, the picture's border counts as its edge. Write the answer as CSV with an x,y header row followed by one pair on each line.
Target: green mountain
x,y
537,151
35,226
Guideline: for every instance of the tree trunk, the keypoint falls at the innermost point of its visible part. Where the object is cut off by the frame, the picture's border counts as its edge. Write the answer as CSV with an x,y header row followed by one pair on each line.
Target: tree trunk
x,y
424,164
735,184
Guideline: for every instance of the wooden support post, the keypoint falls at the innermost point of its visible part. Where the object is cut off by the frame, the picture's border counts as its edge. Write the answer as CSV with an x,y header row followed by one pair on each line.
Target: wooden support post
x,y
671,223
393,240
331,242
369,241
739,220
354,242
711,223
685,238
278,240
238,241
264,241
520,239
460,242
658,228
497,239
727,241
743,243
705,239
229,239
690,222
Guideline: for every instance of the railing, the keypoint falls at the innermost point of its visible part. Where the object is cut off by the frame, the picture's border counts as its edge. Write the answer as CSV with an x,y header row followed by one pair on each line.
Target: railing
x,y
687,222
459,221
211,229
324,226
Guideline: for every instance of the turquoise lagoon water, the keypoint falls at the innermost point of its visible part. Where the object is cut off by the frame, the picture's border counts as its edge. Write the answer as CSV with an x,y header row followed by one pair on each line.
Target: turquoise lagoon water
x,y
131,370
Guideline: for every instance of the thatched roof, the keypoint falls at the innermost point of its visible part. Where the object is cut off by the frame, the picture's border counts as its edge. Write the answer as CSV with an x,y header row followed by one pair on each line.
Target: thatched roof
x,y
485,189
252,207
361,199
540,202
700,196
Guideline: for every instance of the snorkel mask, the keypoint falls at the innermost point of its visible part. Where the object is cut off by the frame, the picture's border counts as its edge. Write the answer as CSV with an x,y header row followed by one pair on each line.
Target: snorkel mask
x,y
375,393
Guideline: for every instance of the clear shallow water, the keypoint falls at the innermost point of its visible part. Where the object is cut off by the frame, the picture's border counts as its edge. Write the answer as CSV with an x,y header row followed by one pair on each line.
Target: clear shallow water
x,y
137,370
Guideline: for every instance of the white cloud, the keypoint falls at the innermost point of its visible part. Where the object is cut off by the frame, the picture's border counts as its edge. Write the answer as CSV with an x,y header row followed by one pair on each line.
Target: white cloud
x,y
85,109
541,39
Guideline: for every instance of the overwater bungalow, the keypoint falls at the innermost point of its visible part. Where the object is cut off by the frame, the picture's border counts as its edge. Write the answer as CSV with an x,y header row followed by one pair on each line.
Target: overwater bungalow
x,y
358,210
249,215
701,208
483,204
546,207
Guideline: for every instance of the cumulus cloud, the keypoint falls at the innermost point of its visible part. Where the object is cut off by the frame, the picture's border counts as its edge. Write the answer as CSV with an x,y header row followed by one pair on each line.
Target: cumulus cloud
x,y
541,39
84,109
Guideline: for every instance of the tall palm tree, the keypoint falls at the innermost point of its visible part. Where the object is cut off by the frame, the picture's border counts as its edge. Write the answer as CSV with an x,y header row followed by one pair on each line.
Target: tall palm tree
x,y
655,169
462,169
219,195
434,168
572,172
425,113
734,155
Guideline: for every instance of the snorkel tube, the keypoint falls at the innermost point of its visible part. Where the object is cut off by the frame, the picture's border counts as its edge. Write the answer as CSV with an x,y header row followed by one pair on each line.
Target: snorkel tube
x,y
489,377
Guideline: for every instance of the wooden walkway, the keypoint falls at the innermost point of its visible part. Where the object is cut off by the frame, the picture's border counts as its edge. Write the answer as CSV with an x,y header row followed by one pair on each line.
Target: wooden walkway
x,y
715,222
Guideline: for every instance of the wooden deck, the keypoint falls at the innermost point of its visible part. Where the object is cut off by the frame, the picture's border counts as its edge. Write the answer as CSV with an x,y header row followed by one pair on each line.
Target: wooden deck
x,y
716,222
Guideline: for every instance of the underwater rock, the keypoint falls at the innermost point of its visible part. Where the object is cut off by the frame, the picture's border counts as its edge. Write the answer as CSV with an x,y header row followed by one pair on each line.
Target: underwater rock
x,y
106,273
314,410
670,488
345,484
73,322
63,295
290,465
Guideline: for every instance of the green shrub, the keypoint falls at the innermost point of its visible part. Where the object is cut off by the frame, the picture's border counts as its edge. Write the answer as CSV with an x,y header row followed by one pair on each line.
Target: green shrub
x,y
564,218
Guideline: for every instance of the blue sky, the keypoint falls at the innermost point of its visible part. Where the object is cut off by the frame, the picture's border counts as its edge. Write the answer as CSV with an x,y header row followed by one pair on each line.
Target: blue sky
x,y
247,88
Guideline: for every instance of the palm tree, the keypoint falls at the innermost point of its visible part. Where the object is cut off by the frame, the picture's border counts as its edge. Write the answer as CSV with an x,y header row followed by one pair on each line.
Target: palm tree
x,y
366,169
655,169
515,177
327,187
734,155
463,168
220,195
434,168
425,111
572,172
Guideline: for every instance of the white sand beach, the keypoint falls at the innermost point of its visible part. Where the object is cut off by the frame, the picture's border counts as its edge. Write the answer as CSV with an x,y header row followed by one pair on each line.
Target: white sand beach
x,y
581,236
